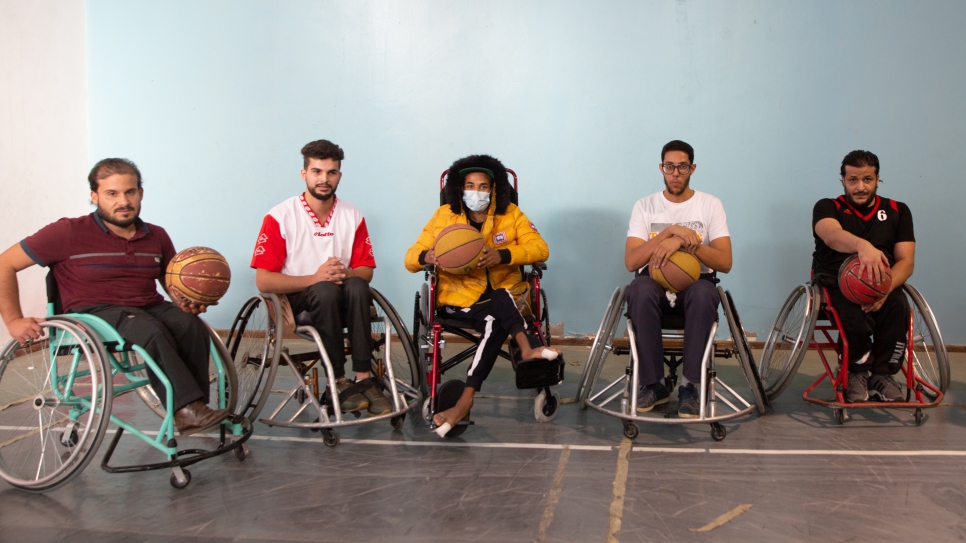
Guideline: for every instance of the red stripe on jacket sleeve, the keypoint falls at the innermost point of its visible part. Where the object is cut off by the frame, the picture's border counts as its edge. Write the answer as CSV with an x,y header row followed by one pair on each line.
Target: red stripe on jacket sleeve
x,y
362,248
270,251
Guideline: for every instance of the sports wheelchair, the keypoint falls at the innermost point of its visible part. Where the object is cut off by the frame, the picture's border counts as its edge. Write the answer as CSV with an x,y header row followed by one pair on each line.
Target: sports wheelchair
x,y
56,397
619,398
806,320
255,345
431,322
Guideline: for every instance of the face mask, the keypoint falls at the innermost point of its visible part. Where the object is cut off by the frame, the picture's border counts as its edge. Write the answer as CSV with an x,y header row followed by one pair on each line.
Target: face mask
x,y
476,201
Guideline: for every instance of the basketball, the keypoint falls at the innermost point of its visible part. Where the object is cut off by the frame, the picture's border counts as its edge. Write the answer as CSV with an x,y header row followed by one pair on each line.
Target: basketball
x,y
681,270
199,275
861,290
458,248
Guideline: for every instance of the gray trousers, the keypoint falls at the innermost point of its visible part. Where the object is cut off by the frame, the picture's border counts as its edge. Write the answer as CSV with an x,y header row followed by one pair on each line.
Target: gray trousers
x,y
177,341
647,301
334,307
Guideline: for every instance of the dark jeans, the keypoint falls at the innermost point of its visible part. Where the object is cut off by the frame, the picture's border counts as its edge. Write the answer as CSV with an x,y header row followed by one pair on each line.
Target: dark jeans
x,y
496,318
334,307
889,327
647,301
177,341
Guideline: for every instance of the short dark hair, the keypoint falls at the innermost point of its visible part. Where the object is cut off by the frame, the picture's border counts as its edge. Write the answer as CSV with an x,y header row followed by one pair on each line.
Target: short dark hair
x,y
859,159
678,145
112,166
453,189
321,150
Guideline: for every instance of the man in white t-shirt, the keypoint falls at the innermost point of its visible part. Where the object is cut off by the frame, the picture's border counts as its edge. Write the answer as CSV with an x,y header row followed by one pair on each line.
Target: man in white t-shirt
x,y
314,248
678,218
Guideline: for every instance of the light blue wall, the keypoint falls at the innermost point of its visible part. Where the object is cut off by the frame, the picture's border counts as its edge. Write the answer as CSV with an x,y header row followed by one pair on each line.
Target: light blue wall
x,y
214,100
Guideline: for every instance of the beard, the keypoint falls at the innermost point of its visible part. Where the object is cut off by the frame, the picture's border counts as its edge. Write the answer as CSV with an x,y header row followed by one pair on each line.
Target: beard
x,y
122,223
323,197
684,188
868,202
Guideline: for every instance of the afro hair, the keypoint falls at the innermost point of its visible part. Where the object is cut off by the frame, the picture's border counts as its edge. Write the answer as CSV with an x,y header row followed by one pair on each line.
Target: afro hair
x,y
453,189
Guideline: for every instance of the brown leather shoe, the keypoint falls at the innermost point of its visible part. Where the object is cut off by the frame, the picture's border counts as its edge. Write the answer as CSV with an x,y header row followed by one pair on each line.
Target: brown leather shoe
x,y
196,417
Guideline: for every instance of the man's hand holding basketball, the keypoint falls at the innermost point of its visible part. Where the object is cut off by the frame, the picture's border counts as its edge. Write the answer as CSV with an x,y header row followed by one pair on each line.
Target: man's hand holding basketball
x,y
332,270
689,238
874,261
662,253
178,299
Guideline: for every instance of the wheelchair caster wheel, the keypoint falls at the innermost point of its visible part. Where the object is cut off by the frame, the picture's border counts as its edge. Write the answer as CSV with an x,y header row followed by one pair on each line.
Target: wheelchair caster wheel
x,y
180,478
300,396
330,437
630,430
545,406
718,432
425,411
241,453
69,437
918,416
397,422
839,415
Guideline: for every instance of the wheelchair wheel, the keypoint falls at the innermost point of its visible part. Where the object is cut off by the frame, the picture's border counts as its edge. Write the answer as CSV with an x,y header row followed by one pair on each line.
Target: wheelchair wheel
x,y
788,340
41,447
151,399
254,347
930,360
545,405
745,356
603,343
401,352
422,342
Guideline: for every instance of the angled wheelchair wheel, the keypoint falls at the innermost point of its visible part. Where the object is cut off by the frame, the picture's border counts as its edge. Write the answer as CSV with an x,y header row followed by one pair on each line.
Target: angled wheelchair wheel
x,y
254,346
788,339
400,350
602,345
151,399
745,356
55,405
421,340
930,359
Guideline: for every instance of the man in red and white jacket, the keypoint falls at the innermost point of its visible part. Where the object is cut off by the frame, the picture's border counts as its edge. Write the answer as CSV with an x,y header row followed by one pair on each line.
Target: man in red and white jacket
x,y
314,248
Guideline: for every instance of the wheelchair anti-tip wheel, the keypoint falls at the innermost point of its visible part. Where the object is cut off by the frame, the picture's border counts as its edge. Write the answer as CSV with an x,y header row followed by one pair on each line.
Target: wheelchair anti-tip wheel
x,y
57,394
788,340
254,348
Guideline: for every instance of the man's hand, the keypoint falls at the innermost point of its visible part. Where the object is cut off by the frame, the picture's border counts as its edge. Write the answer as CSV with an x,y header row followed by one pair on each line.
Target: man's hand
x,y
24,329
689,238
332,270
874,261
662,253
490,257
875,306
179,299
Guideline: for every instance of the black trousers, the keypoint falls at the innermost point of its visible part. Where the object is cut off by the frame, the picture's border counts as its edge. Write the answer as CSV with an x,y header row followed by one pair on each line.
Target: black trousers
x,y
495,318
177,341
877,341
333,308
647,301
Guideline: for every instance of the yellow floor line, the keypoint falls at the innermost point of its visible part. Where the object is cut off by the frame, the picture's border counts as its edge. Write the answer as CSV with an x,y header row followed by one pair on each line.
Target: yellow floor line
x,y
554,496
723,519
620,486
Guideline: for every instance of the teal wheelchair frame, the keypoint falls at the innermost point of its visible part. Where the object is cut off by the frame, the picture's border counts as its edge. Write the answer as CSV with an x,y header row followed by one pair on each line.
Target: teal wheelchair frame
x,y
56,391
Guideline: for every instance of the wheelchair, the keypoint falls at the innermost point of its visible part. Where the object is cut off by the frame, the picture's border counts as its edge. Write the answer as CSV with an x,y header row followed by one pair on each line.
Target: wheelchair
x,y
255,346
619,398
56,397
431,322
806,320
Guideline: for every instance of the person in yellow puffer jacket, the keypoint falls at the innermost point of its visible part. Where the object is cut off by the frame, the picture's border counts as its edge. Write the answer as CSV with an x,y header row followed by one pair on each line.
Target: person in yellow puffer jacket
x,y
478,193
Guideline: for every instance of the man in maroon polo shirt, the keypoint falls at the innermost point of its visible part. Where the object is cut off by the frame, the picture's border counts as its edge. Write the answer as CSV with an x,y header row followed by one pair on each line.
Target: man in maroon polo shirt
x,y
106,264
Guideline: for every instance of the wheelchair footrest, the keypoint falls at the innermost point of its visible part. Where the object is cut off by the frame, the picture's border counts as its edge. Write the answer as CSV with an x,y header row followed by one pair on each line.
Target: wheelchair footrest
x,y
539,372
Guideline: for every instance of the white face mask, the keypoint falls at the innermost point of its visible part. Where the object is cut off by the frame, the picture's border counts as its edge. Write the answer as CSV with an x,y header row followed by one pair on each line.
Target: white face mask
x,y
476,201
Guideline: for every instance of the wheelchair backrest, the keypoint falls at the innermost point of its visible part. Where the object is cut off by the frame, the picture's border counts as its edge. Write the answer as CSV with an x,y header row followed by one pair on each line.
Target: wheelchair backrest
x,y
442,183
53,295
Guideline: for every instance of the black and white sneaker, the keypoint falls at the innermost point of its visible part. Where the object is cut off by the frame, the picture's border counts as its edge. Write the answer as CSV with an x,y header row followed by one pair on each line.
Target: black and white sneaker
x,y
885,389
858,390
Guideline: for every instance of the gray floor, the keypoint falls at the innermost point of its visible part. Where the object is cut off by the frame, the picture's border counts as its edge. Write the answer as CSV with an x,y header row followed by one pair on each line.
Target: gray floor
x,y
797,474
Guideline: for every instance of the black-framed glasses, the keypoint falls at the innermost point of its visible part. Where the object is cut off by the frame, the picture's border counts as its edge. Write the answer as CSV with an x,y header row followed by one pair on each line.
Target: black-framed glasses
x,y
669,168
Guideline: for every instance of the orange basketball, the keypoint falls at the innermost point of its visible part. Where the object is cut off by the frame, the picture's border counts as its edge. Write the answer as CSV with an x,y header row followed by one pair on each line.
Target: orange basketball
x,y
681,270
458,248
862,289
199,275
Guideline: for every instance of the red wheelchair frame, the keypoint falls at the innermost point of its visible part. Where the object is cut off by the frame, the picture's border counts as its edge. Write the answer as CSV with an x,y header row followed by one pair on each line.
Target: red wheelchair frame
x,y
915,385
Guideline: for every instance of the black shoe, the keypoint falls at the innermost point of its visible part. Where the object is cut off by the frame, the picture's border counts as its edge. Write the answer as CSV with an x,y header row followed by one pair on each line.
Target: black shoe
x,y
650,396
197,417
885,389
688,405
355,402
858,390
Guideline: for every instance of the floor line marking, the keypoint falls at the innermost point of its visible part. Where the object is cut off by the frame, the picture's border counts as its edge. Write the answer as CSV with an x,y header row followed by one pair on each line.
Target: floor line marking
x,y
800,452
620,488
554,497
723,519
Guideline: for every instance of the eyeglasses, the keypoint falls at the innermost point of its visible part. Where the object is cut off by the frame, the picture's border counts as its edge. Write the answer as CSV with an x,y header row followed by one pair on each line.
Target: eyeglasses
x,y
669,168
